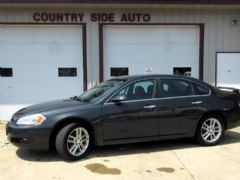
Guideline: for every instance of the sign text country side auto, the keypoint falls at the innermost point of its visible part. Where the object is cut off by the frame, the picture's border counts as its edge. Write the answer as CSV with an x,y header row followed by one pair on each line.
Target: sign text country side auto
x,y
94,17
58,17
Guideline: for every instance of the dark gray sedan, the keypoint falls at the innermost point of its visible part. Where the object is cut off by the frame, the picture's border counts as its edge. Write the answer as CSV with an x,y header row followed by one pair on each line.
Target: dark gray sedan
x,y
126,110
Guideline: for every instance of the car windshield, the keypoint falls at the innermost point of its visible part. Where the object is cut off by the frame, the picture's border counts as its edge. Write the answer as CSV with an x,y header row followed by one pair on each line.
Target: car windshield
x,y
99,90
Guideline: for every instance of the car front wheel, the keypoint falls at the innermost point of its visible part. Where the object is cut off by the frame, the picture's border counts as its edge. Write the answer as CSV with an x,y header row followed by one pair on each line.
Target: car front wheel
x,y
73,141
210,130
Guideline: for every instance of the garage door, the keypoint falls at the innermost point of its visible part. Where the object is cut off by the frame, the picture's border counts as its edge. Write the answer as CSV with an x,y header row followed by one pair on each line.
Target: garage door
x,y
39,63
138,49
228,74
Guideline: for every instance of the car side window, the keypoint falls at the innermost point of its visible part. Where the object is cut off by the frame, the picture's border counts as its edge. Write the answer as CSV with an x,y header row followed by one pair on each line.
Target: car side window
x,y
139,90
175,88
199,90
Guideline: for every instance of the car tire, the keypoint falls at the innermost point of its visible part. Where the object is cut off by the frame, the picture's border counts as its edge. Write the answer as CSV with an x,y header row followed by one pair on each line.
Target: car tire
x,y
210,130
73,142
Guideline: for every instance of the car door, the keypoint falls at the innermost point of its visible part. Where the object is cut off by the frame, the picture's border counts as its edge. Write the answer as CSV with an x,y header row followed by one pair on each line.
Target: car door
x,y
180,106
135,117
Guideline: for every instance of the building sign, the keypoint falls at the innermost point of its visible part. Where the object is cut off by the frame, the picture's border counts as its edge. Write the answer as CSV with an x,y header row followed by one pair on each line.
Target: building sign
x,y
94,17
148,70
137,17
58,17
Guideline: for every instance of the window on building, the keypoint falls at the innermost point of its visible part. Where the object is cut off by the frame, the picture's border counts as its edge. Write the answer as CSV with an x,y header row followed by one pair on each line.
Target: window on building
x,y
119,71
67,72
6,72
186,71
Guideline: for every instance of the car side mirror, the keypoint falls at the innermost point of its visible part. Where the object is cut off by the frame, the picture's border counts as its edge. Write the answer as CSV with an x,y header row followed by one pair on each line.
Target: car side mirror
x,y
119,99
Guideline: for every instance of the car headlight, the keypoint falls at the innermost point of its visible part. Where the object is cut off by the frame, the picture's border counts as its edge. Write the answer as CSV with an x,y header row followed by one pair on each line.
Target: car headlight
x,y
35,119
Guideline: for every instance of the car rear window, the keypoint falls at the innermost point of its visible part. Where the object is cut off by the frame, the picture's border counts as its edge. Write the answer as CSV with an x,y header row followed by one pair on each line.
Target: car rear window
x,y
179,87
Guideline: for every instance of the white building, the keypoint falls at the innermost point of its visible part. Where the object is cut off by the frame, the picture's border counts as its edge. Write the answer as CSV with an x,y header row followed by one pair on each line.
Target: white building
x,y
58,48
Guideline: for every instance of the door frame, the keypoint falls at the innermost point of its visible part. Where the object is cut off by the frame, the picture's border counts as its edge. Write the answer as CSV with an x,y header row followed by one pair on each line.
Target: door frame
x,y
216,61
84,42
101,43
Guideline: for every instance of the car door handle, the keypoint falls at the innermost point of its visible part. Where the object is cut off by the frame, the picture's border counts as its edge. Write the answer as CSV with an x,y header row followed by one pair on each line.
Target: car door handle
x,y
150,106
196,102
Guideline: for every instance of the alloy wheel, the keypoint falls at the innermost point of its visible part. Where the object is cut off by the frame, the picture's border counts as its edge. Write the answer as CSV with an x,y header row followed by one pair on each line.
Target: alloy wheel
x,y
211,130
78,141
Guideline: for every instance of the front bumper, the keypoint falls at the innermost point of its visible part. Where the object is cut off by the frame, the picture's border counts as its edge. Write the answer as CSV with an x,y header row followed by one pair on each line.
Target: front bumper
x,y
32,137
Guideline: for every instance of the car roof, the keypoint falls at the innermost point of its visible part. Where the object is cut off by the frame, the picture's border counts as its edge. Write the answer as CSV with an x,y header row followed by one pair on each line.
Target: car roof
x,y
142,76
149,76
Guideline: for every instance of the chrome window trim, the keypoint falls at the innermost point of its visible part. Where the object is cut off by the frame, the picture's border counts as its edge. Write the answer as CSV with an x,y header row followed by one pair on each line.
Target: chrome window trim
x,y
132,101
156,79
162,98
176,97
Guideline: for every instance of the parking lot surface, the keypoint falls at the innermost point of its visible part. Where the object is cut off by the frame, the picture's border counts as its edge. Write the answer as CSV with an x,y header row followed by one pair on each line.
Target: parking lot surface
x,y
175,159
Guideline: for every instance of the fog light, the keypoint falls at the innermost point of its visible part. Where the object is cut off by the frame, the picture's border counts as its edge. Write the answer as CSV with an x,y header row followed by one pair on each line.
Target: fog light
x,y
24,140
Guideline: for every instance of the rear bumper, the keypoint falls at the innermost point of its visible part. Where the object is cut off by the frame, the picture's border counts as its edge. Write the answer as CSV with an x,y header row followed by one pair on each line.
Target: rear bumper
x,y
234,122
28,136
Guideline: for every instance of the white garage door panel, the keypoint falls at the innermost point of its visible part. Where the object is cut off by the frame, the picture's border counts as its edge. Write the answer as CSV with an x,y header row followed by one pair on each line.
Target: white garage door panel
x,y
152,34
140,47
228,74
47,53
37,92
40,72
35,53
41,34
152,52
164,68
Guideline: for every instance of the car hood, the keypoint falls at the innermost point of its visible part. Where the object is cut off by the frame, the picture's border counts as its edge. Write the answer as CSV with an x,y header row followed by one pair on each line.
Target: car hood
x,y
48,106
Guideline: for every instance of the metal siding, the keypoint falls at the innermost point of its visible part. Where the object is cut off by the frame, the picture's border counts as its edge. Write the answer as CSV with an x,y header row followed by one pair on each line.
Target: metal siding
x,y
219,35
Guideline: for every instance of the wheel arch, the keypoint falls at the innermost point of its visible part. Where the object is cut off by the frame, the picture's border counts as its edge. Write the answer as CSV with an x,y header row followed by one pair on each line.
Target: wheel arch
x,y
213,113
65,122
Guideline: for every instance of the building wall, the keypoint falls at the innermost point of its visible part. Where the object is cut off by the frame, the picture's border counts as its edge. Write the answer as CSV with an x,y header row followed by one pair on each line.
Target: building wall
x,y
219,33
